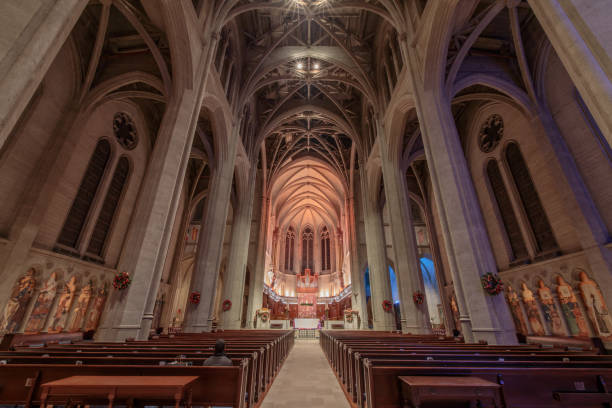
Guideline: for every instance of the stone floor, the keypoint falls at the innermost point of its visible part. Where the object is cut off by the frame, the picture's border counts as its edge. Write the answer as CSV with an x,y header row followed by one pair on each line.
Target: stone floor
x,y
306,380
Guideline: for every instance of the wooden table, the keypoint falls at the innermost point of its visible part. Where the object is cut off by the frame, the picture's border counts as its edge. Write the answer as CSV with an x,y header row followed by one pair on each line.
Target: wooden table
x,y
125,388
417,389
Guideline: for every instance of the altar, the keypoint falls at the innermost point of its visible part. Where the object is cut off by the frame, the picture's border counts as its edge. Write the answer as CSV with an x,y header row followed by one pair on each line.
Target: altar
x,y
303,323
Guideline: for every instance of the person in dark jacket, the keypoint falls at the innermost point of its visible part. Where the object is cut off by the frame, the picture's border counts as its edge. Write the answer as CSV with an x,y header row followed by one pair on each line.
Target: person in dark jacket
x,y
219,358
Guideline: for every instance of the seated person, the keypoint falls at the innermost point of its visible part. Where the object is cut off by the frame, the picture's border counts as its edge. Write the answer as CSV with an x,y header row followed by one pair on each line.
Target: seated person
x,y
219,358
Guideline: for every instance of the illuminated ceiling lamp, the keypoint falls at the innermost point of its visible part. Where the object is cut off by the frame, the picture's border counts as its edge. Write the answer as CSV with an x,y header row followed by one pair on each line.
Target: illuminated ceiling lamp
x,y
299,65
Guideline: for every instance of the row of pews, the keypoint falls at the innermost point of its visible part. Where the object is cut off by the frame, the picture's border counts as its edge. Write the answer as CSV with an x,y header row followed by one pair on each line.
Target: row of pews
x,y
380,369
257,356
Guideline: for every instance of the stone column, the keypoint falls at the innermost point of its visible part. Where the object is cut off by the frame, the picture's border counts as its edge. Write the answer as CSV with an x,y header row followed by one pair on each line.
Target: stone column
x,y
198,318
30,39
415,318
377,258
256,283
483,317
358,297
233,288
580,33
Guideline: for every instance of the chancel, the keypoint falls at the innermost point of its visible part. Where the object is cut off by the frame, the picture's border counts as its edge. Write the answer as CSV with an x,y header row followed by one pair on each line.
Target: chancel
x,y
369,203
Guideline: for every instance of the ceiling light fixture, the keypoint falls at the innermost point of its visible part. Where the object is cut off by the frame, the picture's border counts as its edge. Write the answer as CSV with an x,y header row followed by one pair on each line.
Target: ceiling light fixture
x,y
317,65
300,65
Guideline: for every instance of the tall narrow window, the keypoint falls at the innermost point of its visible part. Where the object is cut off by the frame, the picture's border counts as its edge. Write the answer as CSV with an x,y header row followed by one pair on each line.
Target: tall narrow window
x,y
531,201
513,231
107,213
325,258
289,245
73,226
307,250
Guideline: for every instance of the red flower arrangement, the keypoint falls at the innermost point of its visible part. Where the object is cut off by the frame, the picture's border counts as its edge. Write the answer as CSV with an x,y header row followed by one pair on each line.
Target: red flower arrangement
x,y
194,298
418,297
492,283
121,281
387,305
227,305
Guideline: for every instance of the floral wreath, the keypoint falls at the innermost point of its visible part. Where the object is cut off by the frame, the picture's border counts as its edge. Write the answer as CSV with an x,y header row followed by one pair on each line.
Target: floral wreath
x,y
194,298
492,283
227,305
264,315
348,315
121,281
387,305
418,297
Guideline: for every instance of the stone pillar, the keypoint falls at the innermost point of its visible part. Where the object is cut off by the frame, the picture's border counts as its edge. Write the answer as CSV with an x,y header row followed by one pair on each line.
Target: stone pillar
x,y
233,288
377,258
358,297
415,318
483,317
30,39
580,33
198,318
130,313
256,283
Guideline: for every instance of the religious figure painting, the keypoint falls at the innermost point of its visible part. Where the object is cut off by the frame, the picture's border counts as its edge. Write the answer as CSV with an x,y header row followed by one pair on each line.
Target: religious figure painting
x,y
18,303
82,303
531,307
595,305
60,317
571,310
96,310
455,312
515,309
43,304
551,314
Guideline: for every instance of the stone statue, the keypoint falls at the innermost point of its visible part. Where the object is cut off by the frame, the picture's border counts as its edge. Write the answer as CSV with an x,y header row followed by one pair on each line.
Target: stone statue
x,y
531,307
551,314
571,310
18,303
43,304
595,306
82,303
515,308
96,310
60,317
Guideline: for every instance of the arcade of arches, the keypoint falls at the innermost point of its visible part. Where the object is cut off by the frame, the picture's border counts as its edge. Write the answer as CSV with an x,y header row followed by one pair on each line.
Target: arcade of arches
x,y
256,164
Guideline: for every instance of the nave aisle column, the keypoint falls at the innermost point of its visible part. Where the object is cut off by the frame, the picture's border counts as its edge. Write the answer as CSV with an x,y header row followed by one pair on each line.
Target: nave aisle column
x,y
30,39
233,288
256,283
358,297
377,257
581,35
483,317
415,318
199,317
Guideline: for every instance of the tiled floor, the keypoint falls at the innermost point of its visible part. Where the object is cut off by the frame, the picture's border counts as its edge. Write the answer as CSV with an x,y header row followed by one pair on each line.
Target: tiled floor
x,y
306,380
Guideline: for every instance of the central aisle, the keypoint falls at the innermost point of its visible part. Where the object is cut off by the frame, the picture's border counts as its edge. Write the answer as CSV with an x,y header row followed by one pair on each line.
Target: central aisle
x,y
306,380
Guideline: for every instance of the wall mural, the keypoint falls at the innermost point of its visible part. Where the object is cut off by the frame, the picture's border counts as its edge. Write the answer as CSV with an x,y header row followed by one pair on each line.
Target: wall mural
x,y
96,310
63,307
595,306
515,309
567,317
551,313
82,303
532,311
43,304
15,309
571,310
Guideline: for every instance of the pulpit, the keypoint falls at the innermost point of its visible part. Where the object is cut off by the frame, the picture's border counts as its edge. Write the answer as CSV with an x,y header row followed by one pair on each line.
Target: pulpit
x,y
307,289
